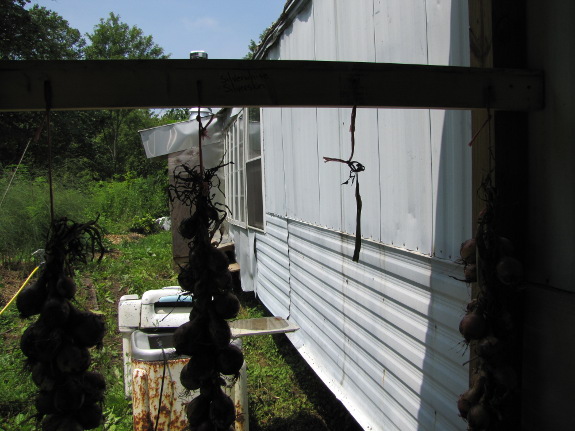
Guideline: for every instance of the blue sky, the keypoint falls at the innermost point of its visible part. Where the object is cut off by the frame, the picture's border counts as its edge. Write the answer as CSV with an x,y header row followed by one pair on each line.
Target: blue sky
x,y
223,28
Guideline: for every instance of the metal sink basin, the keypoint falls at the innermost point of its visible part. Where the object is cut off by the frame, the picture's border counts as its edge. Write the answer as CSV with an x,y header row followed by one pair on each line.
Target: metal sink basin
x,y
147,346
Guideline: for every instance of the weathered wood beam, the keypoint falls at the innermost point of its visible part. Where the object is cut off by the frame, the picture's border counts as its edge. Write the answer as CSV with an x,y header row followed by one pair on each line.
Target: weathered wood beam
x,y
184,83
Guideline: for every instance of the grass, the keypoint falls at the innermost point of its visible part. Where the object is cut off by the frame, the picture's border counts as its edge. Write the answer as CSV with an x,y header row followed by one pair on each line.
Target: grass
x,y
118,206
283,392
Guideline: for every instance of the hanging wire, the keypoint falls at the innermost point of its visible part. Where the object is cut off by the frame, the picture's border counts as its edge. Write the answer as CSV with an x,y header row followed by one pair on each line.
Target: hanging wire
x,y
48,100
20,290
354,169
199,119
485,123
34,139
162,385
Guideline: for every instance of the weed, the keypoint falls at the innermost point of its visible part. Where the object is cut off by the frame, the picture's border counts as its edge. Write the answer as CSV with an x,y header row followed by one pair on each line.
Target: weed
x,y
283,392
118,205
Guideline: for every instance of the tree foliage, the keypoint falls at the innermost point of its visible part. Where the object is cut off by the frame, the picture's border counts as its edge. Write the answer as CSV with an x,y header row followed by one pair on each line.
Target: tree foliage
x,y
115,40
85,144
253,45
15,23
40,34
36,34
54,38
118,143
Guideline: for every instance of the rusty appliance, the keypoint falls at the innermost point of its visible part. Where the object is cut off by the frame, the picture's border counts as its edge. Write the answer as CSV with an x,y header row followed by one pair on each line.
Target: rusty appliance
x,y
151,366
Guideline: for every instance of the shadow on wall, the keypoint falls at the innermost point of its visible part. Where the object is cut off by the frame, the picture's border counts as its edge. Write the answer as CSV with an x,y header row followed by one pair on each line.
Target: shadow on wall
x,y
452,225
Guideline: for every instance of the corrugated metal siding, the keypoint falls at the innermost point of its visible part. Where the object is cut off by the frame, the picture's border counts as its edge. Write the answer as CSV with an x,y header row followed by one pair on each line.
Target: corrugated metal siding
x,y
273,278
383,334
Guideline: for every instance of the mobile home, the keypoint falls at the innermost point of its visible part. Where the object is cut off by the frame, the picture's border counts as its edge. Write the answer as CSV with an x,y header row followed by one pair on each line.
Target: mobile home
x,y
382,332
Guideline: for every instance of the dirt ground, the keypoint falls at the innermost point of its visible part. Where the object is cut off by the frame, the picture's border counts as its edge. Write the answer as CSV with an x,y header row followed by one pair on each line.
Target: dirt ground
x,y
11,278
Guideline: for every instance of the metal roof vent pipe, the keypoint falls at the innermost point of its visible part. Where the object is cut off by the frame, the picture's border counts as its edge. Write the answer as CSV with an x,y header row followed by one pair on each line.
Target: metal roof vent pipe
x,y
204,112
198,55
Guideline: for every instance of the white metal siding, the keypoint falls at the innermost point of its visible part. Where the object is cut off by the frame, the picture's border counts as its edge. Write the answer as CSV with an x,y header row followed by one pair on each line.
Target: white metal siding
x,y
382,333
273,156
448,43
415,187
273,279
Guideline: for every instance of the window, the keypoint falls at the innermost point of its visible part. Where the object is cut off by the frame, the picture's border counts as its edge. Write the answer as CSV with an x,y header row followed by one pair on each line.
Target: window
x,y
244,188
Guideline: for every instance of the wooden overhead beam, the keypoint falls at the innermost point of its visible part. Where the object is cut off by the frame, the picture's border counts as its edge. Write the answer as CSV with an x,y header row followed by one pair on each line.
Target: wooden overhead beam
x,y
115,84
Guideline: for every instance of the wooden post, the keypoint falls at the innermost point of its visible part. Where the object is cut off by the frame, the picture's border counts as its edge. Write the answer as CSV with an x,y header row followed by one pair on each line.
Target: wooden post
x,y
497,39
481,50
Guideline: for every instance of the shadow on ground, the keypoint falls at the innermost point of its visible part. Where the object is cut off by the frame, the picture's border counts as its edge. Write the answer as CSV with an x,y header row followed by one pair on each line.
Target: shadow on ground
x,y
329,415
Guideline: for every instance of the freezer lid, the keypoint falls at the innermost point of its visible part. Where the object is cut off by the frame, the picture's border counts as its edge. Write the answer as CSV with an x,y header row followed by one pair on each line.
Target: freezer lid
x,y
153,296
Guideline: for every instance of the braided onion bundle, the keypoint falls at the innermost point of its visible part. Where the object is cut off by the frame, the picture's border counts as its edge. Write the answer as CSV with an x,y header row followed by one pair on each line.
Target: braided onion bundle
x,y
57,344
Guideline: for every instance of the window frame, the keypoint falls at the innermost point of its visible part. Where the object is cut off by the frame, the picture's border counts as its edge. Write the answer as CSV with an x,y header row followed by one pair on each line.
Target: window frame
x,y
237,149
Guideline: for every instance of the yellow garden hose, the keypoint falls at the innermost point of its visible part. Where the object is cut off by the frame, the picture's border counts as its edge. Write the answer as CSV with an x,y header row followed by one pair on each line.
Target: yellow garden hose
x,y
19,290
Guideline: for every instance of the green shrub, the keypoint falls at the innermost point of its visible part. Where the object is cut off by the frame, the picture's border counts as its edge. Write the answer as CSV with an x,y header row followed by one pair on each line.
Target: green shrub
x,y
144,225
119,205
25,214
120,202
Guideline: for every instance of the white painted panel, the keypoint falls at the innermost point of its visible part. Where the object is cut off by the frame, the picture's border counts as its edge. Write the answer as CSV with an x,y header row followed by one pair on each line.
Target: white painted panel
x,y
405,179
272,144
300,128
273,53
297,40
285,126
404,143
400,31
448,32
285,45
324,16
331,174
244,256
301,35
329,132
301,162
355,30
384,332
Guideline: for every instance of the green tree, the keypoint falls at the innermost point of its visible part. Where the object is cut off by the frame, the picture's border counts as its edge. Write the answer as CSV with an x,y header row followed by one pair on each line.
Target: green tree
x,y
85,144
36,34
39,33
15,24
54,38
253,46
118,143
115,40
174,115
